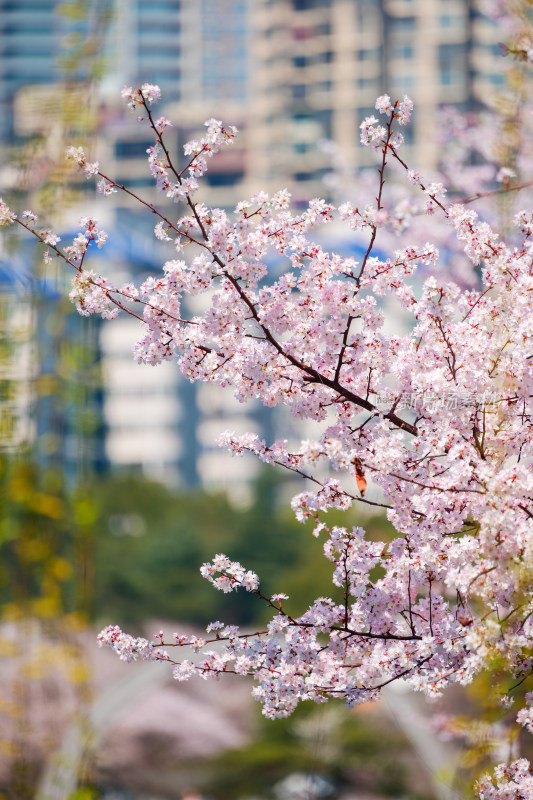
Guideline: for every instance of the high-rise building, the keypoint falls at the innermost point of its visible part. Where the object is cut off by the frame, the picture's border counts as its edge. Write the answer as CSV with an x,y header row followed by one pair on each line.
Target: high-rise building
x,y
288,73
45,53
43,43
30,34
320,64
144,44
198,53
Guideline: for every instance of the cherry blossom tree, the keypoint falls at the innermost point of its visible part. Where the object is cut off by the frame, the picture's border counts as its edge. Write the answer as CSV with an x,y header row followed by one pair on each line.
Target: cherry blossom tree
x,y
433,425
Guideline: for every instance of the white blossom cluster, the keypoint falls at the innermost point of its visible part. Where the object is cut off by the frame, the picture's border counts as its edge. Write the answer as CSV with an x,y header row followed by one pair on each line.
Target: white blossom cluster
x,y
453,589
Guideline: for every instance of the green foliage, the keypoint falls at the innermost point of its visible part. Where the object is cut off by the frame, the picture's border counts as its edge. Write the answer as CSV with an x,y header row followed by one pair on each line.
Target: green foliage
x,y
40,544
83,793
485,727
350,749
44,598
151,542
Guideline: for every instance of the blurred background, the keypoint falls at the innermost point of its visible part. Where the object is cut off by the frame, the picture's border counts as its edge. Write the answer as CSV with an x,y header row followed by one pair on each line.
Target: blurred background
x,y
113,490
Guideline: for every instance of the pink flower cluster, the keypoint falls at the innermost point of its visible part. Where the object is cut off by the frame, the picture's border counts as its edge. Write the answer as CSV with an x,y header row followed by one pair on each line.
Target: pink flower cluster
x,y
229,575
511,782
130,648
453,588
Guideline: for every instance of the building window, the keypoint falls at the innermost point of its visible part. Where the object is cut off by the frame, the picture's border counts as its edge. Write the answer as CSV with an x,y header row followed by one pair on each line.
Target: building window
x,y
131,149
369,83
402,83
401,24
368,55
452,63
314,175
304,5
451,21
223,178
323,30
403,51
299,61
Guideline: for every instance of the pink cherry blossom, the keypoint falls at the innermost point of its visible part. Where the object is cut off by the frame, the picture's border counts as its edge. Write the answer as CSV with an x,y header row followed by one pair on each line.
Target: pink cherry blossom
x,y
430,420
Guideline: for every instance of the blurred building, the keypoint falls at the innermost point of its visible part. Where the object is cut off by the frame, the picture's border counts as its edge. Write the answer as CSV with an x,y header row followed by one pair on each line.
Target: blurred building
x,y
320,64
292,73
52,399
43,43
289,74
198,52
16,368
30,35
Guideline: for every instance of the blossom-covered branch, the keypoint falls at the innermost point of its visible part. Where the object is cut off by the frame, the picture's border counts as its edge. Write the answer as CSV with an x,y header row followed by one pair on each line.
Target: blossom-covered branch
x,y
432,421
